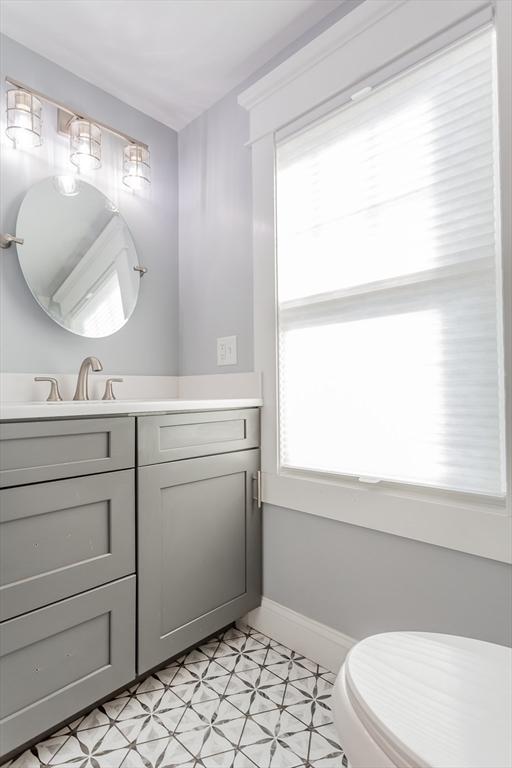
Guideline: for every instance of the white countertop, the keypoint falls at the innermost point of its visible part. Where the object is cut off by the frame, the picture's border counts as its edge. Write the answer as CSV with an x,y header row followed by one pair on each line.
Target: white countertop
x,y
66,408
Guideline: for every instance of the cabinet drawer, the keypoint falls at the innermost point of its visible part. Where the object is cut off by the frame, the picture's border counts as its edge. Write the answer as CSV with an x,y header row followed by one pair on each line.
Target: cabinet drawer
x,y
62,658
33,452
186,435
61,538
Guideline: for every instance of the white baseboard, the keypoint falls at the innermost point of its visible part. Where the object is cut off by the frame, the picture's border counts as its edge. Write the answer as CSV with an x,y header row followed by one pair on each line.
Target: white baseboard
x,y
318,642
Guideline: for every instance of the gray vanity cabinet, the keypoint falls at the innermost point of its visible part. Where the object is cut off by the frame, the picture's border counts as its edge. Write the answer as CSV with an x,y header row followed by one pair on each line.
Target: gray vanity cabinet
x,y
71,496
199,538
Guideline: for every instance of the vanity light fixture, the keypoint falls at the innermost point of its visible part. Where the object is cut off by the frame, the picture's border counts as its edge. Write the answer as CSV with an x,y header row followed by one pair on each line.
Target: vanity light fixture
x,y
136,168
24,109
23,118
85,144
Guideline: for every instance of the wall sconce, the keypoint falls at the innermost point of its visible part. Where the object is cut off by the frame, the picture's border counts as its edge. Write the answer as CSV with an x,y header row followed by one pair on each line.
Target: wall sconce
x,y
136,168
24,109
23,118
84,144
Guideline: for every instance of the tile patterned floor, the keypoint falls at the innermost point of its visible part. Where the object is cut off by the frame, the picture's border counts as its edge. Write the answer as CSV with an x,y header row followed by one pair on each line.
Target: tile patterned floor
x,y
239,701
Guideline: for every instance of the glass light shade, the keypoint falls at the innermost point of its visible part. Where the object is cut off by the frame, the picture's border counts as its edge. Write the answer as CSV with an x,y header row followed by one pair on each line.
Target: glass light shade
x,y
136,168
23,118
85,144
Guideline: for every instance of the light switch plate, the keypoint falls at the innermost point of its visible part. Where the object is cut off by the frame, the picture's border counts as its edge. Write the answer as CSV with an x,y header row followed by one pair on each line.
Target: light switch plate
x,y
226,350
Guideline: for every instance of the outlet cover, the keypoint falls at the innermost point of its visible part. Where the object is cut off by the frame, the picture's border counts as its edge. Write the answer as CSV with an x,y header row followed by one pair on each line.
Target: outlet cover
x,y
226,350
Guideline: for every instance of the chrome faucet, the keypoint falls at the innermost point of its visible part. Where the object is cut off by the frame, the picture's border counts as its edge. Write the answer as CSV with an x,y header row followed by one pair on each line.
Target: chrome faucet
x,y
82,384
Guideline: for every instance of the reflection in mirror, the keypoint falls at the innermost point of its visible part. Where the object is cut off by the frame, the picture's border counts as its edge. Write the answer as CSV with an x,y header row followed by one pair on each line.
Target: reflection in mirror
x,y
78,256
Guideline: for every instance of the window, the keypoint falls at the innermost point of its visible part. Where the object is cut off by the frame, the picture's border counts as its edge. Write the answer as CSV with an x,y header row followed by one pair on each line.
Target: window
x,y
390,349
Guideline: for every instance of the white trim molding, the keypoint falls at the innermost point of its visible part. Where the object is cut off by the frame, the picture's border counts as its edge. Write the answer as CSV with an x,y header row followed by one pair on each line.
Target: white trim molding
x,y
364,41
316,641
374,42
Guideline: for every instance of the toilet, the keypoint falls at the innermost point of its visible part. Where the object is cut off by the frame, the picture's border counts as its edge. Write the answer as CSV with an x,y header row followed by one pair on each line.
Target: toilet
x,y
423,700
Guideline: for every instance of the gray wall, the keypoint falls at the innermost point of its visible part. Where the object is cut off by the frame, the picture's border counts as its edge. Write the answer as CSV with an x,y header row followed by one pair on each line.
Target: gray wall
x,y
148,343
353,579
215,238
361,581
215,241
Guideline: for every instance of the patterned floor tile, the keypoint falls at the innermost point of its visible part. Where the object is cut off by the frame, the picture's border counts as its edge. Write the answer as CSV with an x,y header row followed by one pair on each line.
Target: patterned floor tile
x,y
324,745
42,753
244,643
255,691
241,700
238,661
151,683
269,725
214,728
92,744
98,717
26,760
316,692
272,754
161,752
231,759
290,670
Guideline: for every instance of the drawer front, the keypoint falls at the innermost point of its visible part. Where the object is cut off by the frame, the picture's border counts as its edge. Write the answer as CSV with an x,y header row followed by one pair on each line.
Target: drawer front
x,y
61,659
61,538
34,452
187,435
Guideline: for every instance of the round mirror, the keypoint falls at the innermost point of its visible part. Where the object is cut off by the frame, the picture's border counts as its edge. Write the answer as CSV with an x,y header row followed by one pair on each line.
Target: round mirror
x,y
78,256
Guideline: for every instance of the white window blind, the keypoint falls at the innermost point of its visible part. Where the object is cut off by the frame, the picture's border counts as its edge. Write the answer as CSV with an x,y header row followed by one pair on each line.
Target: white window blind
x,y
390,352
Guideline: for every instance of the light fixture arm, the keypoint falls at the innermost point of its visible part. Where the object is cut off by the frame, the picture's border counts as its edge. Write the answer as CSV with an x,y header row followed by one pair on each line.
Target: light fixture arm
x,y
7,240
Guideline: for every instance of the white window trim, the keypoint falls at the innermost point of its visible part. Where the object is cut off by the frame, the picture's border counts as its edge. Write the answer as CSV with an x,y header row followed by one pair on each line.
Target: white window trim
x,y
375,41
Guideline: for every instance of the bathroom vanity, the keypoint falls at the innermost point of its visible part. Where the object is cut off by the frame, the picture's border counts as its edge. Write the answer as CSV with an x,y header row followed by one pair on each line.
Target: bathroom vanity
x,y
129,532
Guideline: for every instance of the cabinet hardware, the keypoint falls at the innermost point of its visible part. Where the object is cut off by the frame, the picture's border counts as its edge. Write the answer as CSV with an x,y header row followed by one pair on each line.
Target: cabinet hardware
x,y
257,477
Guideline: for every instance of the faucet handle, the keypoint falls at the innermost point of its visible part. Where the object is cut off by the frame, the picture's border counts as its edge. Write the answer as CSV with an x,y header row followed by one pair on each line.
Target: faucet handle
x,y
54,395
109,392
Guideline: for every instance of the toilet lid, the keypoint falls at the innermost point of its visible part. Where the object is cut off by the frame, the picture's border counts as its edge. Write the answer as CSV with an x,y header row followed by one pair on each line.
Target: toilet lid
x,y
436,701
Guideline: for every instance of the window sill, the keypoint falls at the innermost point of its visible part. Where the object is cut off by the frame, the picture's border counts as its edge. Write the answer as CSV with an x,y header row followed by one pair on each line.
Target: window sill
x,y
478,526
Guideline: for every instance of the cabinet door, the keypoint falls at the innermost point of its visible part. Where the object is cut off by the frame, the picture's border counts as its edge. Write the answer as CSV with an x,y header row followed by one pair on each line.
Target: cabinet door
x,y
199,550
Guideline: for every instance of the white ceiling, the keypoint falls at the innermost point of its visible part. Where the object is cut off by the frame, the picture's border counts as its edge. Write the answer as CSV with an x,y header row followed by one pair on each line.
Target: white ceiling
x,y
172,59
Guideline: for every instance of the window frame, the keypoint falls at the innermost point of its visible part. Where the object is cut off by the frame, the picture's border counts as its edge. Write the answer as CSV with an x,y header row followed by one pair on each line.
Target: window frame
x,y
456,520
